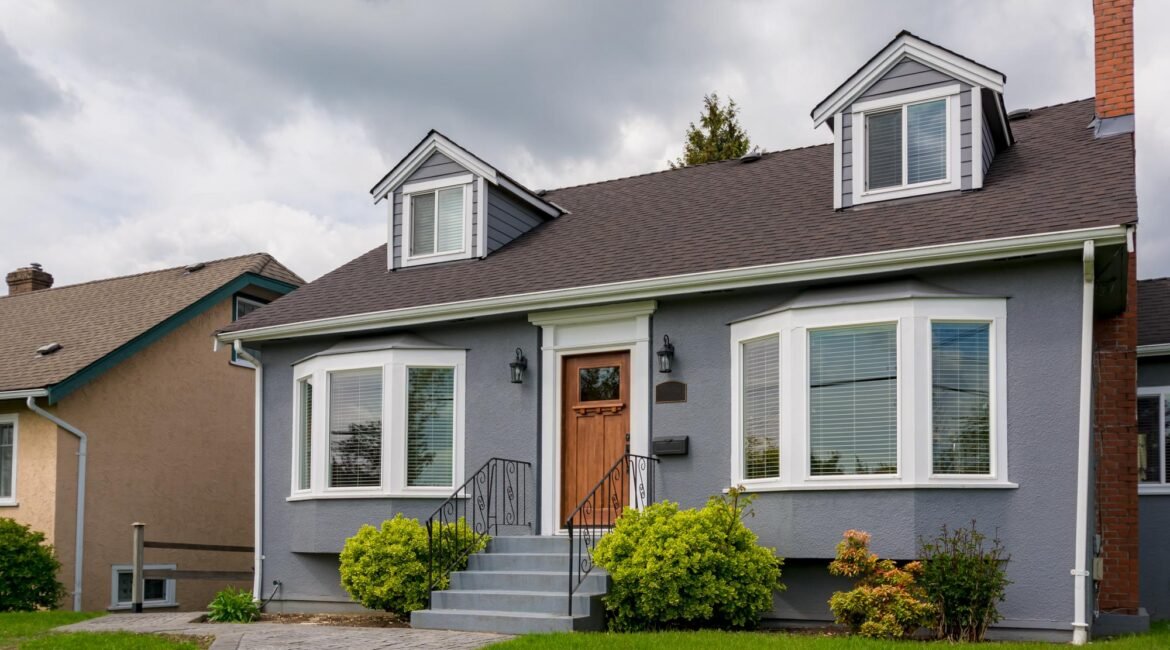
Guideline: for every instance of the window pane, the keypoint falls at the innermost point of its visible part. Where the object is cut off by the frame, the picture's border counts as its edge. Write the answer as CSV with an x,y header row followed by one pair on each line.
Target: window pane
x,y
355,428
245,307
1149,455
153,589
926,141
430,426
1166,438
449,235
761,408
305,434
422,224
7,445
960,400
853,400
599,384
125,586
884,152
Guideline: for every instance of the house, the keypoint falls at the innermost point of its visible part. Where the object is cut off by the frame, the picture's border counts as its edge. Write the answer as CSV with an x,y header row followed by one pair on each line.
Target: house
x,y
1153,407
929,321
114,409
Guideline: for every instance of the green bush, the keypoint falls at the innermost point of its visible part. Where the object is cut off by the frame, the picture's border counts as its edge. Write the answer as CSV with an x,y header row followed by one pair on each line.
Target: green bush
x,y
675,568
233,605
28,570
887,602
386,568
965,579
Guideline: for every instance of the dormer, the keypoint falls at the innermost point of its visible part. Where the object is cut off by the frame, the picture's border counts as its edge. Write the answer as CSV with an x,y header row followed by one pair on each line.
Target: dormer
x,y
916,119
445,204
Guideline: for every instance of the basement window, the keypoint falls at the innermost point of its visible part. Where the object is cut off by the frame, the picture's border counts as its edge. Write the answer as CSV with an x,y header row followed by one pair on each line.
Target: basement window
x,y
156,592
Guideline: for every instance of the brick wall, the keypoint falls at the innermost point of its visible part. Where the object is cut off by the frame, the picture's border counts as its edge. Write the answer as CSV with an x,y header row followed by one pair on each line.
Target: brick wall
x,y
1115,406
1114,57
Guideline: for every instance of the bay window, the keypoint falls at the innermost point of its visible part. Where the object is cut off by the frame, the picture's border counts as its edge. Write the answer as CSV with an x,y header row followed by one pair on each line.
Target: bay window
x,y
1153,417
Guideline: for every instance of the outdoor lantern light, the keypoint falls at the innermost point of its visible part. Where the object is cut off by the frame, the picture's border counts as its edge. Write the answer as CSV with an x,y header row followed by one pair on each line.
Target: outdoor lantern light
x,y
665,354
518,365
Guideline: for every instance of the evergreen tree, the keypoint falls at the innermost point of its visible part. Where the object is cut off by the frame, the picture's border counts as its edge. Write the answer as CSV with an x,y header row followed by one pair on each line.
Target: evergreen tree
x,y
718,136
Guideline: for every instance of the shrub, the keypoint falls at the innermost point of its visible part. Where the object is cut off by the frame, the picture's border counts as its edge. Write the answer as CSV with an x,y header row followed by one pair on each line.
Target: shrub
x,y
887,601
965,579
28,570
386,568
233,605
675,568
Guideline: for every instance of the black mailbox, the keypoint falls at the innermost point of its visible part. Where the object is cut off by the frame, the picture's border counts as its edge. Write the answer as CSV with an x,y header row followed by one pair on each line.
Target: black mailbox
x,y
671,446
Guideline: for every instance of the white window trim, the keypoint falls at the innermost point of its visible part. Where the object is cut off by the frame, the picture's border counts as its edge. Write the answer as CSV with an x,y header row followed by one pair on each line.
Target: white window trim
x,y
169,601
913,317
464,182
393,364
236,300
14,420
1163,488
954,165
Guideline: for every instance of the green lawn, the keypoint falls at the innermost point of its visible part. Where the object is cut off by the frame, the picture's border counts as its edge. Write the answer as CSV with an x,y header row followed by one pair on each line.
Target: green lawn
x,y
1159,639
31,631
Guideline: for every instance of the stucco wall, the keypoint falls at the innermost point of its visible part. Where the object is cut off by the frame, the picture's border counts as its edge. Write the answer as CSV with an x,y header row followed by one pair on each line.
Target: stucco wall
x,y
1154,517
36,470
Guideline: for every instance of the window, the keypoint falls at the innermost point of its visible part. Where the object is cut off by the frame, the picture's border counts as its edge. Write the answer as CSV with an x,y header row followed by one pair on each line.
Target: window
x,y
868,392
242,306
437,222
392,421
853,400
1153,406
960,398
7,460
156,592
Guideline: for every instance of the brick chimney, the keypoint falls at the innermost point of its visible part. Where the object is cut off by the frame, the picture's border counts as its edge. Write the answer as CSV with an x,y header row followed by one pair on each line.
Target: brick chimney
x,y
28,279
1113,49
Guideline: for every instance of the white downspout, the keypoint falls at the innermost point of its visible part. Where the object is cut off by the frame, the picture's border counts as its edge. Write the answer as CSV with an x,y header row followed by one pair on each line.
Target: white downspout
x,y
79,536
258,448
1080,571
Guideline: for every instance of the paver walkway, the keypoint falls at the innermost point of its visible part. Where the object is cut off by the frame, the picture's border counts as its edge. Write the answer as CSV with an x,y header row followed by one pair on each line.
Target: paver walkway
x,y
264,636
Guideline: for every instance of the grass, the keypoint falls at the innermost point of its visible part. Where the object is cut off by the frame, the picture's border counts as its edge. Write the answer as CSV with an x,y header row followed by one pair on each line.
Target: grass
x,y
1158,639
32,631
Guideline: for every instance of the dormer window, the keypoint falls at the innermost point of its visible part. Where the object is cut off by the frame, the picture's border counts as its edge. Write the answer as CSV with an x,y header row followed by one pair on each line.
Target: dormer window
x,y
437,220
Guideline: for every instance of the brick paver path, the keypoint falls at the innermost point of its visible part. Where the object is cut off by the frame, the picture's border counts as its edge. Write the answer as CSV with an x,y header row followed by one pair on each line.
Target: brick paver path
x,y
274,636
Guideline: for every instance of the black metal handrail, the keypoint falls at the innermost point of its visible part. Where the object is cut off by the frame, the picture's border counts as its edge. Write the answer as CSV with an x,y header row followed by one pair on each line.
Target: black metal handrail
x,y
495,495
629,483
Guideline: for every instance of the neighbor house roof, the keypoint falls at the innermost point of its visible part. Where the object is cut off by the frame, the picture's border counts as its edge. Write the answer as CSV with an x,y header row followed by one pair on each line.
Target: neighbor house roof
x,y
92,320
735,214
1154,312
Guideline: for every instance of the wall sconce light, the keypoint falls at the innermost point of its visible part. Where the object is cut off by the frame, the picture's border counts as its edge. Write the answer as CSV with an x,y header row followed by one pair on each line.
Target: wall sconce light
x,y
518,366
665,355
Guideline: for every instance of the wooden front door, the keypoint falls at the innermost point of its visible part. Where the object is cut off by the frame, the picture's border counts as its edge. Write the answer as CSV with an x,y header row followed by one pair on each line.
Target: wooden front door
x,y
595,427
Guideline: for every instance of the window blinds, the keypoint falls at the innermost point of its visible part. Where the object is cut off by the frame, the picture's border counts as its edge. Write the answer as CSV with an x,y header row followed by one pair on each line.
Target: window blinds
x,y
761,408
960,401
7,445
430,426
926,141
355,428
422,224
1149,439
305,436
853,409
884,152
449,222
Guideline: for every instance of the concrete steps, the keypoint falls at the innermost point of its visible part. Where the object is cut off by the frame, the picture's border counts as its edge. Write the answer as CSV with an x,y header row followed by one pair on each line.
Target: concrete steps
x,y
515,586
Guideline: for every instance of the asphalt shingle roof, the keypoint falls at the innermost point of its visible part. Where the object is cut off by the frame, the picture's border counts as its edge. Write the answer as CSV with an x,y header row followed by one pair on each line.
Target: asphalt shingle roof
x,y
92,319
733,214
1154,311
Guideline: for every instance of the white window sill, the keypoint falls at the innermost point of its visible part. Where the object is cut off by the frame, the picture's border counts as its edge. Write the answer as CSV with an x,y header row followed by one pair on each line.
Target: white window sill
x,y
877,485
1153,489
434,258
373,495
125,607
9,503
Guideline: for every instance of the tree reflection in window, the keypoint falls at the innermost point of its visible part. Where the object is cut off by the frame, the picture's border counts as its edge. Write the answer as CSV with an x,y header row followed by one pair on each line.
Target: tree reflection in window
x,y
599,384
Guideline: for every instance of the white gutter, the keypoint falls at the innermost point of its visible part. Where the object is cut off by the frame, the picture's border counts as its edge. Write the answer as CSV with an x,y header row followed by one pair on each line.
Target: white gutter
x,y
829,267
79,536
23,394
1080,572
258,448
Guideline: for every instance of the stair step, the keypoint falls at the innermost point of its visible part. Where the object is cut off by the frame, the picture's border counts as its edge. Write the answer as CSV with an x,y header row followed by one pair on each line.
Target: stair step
x,y
519,562
545,602
550,581
528,544
470,620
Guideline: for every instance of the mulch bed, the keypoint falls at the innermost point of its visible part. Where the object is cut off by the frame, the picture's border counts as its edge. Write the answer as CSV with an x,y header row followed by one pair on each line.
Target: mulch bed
x,y
342,620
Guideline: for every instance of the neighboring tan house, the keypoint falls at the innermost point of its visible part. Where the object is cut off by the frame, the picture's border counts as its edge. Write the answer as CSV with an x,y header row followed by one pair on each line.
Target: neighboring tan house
x,y
929,321
1154,443
128,362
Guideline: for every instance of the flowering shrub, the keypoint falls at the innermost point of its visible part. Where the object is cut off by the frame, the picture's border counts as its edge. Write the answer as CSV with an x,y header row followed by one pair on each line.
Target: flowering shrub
x,y
887,601
965,580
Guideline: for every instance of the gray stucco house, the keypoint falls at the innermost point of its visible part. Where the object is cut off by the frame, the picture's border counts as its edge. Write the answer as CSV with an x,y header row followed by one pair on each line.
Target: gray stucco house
x,y
1154,443
929,321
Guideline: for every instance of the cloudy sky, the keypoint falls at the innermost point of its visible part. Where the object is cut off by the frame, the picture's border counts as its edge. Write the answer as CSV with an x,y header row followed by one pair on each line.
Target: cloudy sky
x,y
139,135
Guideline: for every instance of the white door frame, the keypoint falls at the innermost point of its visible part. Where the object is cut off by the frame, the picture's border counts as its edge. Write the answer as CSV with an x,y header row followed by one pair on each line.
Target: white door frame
x,y
585,330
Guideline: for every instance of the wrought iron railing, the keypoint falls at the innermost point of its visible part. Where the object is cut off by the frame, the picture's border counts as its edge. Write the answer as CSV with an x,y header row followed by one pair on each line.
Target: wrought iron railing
x,y
629,483
495,495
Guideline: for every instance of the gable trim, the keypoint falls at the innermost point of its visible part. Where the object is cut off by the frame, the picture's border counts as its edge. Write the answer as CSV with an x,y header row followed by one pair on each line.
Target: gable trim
x,y
170,324
906,45
434,141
